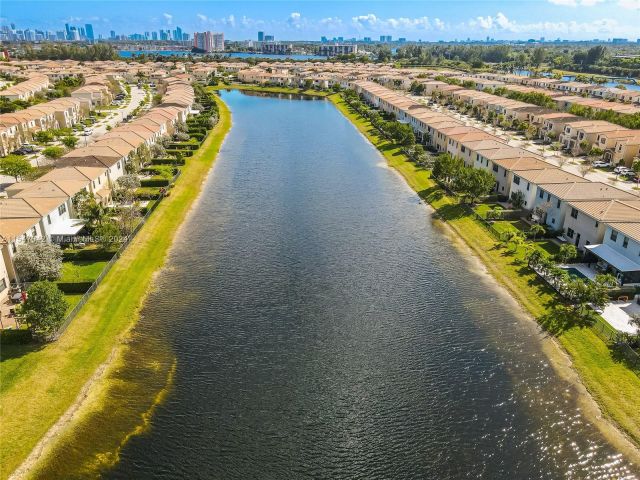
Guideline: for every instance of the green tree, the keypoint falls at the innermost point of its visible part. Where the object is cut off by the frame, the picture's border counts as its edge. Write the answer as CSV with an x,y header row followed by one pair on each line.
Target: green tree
x,y
535,230
15,166
107,234
567,252
53,153
45,307
88,208
70,141
38,260
44,136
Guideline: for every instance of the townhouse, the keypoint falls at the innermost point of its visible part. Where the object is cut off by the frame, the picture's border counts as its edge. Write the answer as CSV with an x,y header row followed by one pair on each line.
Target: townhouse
x,y
525,182
26,89
588,220
619,253
553,199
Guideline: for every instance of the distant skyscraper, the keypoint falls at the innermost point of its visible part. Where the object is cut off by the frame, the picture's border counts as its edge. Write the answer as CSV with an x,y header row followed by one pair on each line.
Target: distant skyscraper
x,y
88,28
261,36
177,34
209,41
67,30
154,35
269,38
112,35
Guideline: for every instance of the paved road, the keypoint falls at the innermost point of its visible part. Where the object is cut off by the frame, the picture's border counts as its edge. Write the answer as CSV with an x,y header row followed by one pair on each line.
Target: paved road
x,y
115,118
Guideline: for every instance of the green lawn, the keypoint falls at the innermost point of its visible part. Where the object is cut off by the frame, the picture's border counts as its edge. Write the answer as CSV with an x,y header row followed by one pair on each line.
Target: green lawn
x,y
613,385
72,299
81,270
54,374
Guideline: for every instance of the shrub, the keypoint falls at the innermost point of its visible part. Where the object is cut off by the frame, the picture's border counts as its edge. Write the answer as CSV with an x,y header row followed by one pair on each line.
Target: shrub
x,y
45,307
156,181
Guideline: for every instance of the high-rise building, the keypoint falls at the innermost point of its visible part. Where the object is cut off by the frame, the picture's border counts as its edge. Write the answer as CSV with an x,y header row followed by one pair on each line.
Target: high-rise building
x,y
209,41
88,28
154,35
67,30
261,36
112,35
269,38
177,34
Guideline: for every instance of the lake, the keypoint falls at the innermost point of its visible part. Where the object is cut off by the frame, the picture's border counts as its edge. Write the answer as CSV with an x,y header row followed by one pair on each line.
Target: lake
x,y
323,325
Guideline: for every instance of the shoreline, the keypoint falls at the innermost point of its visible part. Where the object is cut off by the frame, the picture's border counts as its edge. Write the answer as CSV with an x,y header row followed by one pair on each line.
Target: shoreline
x,y
170,217
560,359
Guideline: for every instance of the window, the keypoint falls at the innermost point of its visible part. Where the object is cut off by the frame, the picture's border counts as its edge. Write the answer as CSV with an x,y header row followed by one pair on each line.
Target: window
x,y
574,213
625,242
34,231
553,220
528,185
62,209
558,204
495,168
505,173
597,224
516,180
570,232
541,194
49,219
614,236
548,197
463,149
14,249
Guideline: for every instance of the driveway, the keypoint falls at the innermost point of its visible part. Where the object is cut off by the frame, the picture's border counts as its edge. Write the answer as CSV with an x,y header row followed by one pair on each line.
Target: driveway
x,y
115,117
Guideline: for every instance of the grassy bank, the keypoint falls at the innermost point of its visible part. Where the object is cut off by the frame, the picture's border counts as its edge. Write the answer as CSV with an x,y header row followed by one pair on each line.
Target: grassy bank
x,y
260,88
39,383
614,386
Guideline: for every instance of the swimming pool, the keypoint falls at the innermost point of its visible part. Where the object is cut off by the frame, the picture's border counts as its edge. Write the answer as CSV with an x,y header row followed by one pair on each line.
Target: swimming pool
x,y
575,273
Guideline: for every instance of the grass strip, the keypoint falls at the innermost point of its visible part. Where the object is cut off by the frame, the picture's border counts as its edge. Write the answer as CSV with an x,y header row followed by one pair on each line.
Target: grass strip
x,y
38,383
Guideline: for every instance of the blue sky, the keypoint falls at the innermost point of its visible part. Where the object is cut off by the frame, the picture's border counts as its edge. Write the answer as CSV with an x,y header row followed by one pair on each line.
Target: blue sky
x,y
417,19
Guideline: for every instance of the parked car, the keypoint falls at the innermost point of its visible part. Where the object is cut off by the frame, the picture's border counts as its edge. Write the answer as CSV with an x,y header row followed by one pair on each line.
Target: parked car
x,y
601,164
621,170
86,132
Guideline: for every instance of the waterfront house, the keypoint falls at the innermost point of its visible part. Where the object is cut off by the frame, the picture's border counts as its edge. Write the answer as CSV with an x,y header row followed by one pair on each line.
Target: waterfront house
x,y
554,199
587,221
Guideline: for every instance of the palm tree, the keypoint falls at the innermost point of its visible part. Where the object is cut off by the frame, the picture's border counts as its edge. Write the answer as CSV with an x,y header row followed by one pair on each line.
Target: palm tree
x,y
535,230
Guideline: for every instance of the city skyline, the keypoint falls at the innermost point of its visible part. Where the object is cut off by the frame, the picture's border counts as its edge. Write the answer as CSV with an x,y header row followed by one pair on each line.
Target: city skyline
x,y
413,20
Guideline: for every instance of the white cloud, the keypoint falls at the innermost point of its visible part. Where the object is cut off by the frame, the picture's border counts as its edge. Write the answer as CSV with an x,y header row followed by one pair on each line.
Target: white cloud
x,y
500,23
630,4
168,17
370,22
439,24
202,17
575,3
331,22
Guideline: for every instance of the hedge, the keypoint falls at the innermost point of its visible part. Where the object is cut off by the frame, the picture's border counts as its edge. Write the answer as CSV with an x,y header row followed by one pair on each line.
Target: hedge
x,y
15,337
184,145
168,161
155,182
184,153
147,193
88,254
74,287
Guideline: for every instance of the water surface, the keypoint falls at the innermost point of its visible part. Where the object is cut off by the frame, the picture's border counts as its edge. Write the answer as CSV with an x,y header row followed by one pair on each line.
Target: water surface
x,y
324,327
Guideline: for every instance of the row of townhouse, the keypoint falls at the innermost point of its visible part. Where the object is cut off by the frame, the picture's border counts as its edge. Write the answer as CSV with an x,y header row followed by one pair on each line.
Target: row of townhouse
x,y
559,199
577,88
577,134
43,209
18,128
26,89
